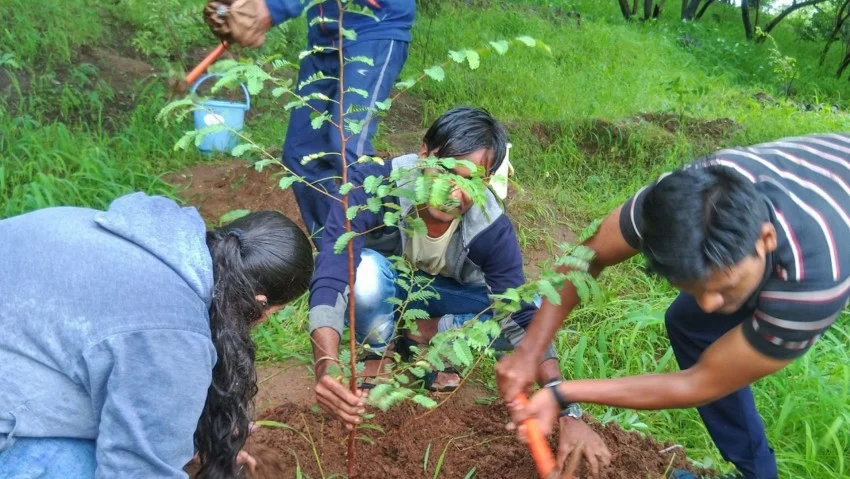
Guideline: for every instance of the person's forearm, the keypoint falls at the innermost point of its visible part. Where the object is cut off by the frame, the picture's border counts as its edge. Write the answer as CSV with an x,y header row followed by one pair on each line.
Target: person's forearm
x,y
325,349
549,319
548,371
650,391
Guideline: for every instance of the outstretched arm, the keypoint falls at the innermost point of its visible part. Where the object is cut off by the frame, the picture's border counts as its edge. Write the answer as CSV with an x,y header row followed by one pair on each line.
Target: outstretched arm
x,y
514,373
726,366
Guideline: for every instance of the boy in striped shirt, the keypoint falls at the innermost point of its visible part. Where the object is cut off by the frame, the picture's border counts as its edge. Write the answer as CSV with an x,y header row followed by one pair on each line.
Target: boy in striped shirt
x,y
758,242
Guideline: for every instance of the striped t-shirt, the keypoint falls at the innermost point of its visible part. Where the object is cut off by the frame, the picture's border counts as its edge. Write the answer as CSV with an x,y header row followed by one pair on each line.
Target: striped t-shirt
x,y
806,181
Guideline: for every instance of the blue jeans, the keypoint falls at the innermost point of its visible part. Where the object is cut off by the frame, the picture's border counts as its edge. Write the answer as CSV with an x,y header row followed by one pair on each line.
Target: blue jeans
x,y
302,139
376,318
48,458
733,421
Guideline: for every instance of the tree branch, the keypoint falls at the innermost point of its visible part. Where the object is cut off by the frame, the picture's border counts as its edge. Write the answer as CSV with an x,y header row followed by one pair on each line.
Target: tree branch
x,y
793,8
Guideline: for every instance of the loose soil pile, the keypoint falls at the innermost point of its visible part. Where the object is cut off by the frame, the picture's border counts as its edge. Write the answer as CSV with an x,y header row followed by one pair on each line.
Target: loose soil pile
x,y
463,432
469,436
217,188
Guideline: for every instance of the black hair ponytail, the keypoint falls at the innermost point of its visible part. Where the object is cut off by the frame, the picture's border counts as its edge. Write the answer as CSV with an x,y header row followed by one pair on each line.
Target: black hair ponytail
x,y
261,253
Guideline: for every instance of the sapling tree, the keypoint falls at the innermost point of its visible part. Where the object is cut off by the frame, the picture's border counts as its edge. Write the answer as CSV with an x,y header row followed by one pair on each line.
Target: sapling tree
x,y
460,346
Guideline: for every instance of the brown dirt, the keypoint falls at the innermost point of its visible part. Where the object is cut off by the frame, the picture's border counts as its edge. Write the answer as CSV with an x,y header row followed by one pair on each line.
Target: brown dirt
x,y
403,127
471,435
217,188
469,428
717,129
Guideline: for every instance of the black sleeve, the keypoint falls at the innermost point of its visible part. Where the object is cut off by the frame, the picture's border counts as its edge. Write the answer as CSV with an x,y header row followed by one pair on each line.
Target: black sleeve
x,y
790,317
630,219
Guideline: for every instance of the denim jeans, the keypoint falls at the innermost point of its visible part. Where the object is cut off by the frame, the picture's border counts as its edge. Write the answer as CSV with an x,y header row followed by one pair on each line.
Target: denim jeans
x,y
48,458
376,318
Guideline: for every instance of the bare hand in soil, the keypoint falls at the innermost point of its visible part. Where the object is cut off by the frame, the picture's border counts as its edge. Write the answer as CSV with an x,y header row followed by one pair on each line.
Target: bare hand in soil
x,y
542,408
575,432
246,460
515,374
338,400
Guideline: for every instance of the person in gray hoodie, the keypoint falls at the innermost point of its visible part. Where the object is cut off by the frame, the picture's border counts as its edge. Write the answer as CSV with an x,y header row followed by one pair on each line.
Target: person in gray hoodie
x,y
125,345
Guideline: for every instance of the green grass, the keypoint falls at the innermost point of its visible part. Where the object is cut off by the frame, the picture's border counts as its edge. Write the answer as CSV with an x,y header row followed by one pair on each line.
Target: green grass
x,y
579,151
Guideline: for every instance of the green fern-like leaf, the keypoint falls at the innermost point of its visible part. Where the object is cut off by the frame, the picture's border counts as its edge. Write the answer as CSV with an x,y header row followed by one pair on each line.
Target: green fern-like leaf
x,y
464,354
424,401
405,84
343,240
415,314
548,291
391,218
357,91
288,181
374,204
501,46
527,41
351,212
436,73
457,56
473,59
345,188
349,34
591,230
360,59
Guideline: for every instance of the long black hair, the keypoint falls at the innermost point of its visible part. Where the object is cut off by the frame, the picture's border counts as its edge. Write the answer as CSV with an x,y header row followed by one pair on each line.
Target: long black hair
x,y
263,253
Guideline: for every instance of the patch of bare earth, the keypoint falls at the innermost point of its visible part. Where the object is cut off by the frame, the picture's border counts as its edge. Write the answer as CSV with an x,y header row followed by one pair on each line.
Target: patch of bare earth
x,y
218,188
466,432
403,126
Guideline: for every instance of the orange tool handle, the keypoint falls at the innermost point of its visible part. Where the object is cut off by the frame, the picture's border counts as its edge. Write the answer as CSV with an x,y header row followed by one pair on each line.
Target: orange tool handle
x,y
206,62
537,443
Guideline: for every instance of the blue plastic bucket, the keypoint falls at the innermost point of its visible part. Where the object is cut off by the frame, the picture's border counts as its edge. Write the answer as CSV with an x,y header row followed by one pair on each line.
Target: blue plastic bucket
x,y
216,112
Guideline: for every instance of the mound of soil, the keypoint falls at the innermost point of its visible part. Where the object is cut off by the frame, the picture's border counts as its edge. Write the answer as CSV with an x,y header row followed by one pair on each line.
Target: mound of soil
x,y
464,432
717,129
461,436
217,188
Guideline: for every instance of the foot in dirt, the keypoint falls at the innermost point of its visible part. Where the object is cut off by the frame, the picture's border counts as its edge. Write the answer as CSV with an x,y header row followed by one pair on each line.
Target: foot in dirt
x,y
446,382
375,368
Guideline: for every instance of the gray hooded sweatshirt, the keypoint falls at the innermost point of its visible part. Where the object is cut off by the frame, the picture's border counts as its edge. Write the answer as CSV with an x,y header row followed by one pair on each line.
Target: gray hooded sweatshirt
x,y
104,331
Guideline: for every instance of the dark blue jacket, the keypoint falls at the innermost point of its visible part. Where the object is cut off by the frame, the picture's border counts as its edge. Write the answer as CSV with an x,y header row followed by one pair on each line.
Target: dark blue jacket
x,y
395,19
483,249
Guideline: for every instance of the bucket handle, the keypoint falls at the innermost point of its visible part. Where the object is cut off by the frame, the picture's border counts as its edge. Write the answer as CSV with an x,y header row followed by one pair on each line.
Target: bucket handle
x,y
207,76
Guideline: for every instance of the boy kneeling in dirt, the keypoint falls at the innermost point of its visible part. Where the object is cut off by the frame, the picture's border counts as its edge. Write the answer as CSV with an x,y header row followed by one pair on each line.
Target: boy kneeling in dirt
x,y
469,252
757,240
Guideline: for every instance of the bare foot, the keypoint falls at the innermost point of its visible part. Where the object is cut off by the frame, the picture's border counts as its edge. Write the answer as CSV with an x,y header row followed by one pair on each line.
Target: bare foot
x,y
446,381
375,369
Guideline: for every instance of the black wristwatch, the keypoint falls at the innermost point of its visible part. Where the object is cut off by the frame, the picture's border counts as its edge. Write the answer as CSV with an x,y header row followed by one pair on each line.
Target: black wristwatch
x,y
568,409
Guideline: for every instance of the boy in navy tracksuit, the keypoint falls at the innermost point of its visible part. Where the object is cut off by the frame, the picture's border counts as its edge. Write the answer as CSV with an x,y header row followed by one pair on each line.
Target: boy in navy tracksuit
x,y
469,253
384,41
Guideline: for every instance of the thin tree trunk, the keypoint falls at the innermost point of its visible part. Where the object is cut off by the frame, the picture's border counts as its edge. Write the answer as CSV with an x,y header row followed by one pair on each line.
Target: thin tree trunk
x,y
745,16
656,13
841,17
624,9
647,9
702,10
689,12
757,4
843,66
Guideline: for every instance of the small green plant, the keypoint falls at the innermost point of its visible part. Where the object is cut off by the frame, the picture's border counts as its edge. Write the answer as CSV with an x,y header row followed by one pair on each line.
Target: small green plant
x,y
687,97
784,66
413,184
